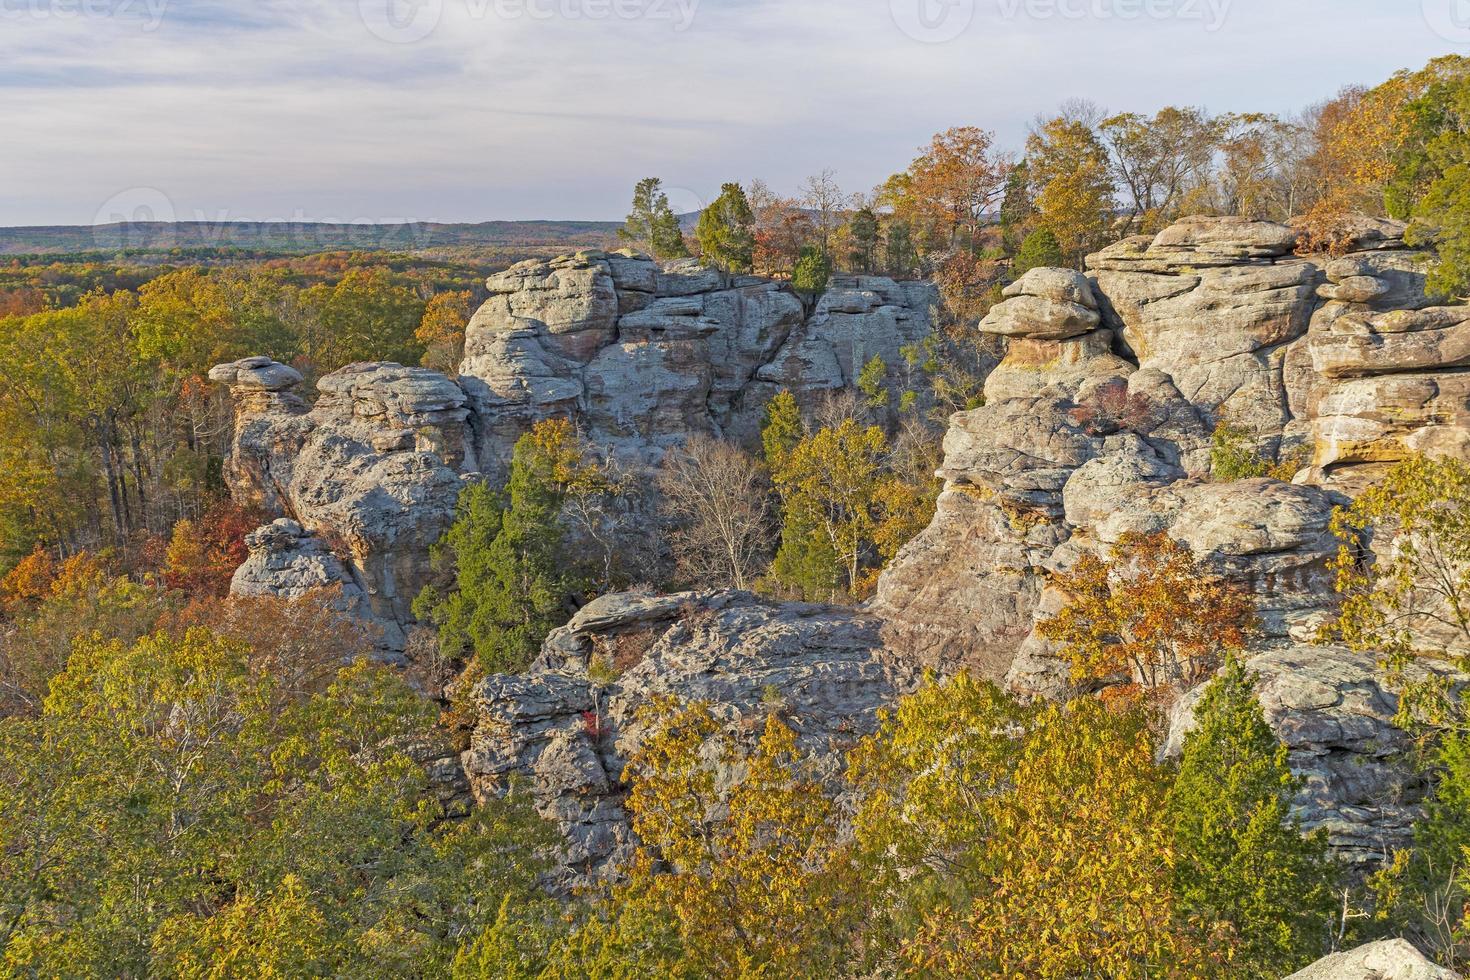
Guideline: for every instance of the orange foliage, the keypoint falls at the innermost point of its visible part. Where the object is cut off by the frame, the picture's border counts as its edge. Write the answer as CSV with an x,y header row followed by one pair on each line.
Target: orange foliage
x,y
203,554
1152,614
39,576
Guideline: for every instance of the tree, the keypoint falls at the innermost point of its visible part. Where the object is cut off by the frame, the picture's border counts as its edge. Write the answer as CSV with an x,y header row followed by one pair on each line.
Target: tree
x,y
1040,248
1016,207
1432,185
865,234
173,812
743,879
827,485
826,202
954,185
1241,858
441,331
1073,183
1151,615
203,554
811,273
986,825
514,581
366,316
725,238
651,224
1158,161
1408,599
720,500
781,230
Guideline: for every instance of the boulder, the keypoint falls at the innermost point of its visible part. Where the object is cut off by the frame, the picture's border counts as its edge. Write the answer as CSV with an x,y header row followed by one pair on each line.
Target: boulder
x,y
822,668
1387,959
1331,708
1044,304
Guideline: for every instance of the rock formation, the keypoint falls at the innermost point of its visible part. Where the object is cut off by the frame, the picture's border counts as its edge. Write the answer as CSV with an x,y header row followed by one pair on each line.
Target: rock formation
x,y
1097,422
639,356
1387,959
821,668
644,356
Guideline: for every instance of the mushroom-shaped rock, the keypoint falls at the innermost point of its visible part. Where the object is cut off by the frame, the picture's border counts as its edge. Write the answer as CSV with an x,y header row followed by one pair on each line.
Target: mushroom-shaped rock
x,y
256,374
1045,304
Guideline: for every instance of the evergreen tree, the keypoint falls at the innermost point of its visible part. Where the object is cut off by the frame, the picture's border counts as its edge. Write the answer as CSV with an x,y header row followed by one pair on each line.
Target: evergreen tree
x,y
652,224
899,253
865,234
1016,208
811,273
725,237
1040,248
1242,860
513,580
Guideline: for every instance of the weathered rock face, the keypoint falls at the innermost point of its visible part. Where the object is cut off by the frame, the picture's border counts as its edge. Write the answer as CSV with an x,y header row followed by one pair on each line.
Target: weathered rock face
x,y
1329,705
1213,303
372,471
641,357
1387,959
822,668
644,357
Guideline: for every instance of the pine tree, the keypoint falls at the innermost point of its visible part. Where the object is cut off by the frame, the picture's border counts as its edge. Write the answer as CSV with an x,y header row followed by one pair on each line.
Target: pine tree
x,y
725,237
1242,860
811,273
1040,249
865,234
513,581
652,224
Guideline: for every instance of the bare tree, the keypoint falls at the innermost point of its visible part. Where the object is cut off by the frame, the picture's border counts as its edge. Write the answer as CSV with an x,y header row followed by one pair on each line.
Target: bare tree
x,y
825,199
719,497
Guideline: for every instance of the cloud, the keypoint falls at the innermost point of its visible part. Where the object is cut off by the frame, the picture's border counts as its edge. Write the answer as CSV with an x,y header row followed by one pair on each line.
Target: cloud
x,y
477,109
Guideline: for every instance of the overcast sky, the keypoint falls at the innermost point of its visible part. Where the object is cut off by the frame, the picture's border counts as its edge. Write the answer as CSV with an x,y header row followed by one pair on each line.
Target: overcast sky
x,y
468,110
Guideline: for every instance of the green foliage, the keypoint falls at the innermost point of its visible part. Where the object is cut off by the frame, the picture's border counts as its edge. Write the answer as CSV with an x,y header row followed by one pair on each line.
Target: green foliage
x,y
514,580
829,487
1433,183
812,272
652,224
1411,604
1241,859
724,232
1424,891
1234,456
175,811
865,234
365,316
872,382
1040,248
900,254
782,430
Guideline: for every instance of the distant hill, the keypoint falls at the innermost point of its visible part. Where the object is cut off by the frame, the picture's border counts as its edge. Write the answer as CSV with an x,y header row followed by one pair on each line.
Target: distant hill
x,y
304,237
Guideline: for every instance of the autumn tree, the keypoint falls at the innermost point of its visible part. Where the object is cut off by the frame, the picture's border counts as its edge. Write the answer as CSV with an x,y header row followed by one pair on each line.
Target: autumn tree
x,y
365,316
513,578
1152,614
651,224
1241,858
1070,171
168,814
441,331
203,553
741,878
954,185
719,498
1157,161
725,237
1403,570
827,484
781,229
988,824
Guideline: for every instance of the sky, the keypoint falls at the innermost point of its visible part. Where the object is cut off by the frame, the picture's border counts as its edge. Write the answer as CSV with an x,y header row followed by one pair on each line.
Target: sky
x,y
474,110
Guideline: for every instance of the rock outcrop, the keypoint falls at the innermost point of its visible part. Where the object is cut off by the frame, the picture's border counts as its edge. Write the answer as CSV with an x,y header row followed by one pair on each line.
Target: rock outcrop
x,y
640,356
644,356
1387,959
1331,708
372,472
821,668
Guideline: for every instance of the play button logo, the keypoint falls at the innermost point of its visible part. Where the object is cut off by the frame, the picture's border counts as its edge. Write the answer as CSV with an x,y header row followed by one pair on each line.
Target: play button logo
x,y
934,21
